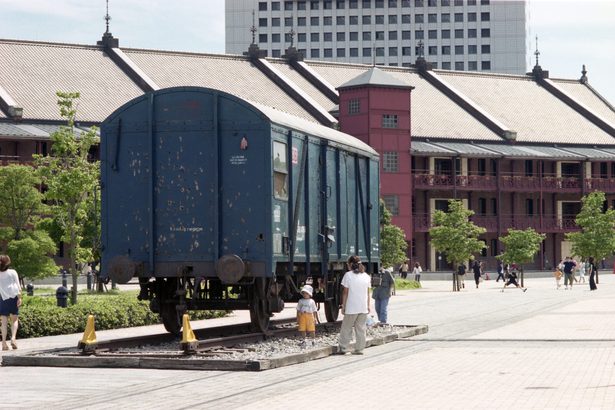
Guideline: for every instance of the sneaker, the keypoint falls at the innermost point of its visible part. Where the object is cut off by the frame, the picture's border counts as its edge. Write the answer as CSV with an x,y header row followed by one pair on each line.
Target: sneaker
x,y
524,289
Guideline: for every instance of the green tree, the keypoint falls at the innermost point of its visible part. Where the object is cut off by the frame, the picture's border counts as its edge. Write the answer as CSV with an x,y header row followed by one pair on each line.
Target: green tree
x,y
31,249
71,178
520,247
454,235
392,239
597,236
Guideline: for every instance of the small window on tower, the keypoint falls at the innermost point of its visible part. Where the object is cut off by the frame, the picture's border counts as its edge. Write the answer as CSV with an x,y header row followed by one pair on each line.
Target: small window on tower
x,y
354,106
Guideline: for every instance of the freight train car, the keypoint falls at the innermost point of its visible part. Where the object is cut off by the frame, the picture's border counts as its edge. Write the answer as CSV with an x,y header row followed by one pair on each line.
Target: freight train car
x,y
214,202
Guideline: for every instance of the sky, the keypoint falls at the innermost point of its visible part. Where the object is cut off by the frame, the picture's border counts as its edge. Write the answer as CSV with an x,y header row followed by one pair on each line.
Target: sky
x,y
570,33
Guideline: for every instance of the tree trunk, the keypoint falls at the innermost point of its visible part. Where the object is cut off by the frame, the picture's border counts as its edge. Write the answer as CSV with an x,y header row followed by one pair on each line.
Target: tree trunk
x,y
455,282
522,275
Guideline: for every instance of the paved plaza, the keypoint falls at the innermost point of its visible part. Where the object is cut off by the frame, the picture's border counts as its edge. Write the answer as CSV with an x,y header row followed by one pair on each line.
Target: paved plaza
x,y
543,349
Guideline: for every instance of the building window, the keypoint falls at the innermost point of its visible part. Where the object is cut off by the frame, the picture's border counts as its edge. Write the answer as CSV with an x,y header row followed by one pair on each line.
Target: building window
x,y
389,121
340,36
379,51
432,34
353,4
367,52
390,162
471,17
341,52
367,4
458,50
458,17
529,168
392,3
484,2
314,21
494,247
379,4
445,3
315,53
485,32
275,53
392,51
328,53
275,22
432,50
262,6
301,21
459,65
354,36
367,35
406,19
328,37
280,171
379,35
445,17
262,38
459,33
446,50
472,49
432,18
301,5
392,35
485,65
392,204
354,52
485,16
353,20
275,38
288,21
393,19
301,37
482,206
327,5
275,5
366,20
446,65
446,34
418,18
458,2
419,35
380,19
485,49
262,22
405,35
340,4
327,21
529,206
340,20
419,3
406,51
315,37
432,3
472,65
354,106
314,4
288,5
471,33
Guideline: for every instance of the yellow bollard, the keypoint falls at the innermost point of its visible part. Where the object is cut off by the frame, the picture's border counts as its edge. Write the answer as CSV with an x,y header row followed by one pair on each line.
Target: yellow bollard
x,y
189,342
88,342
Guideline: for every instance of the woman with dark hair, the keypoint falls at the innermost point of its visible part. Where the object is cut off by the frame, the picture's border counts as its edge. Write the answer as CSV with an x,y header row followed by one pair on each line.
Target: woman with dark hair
x,y
355,306
10,293
593,269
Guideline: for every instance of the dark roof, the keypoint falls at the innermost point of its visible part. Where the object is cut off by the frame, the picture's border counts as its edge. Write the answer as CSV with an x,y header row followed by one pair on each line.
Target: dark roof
x,y
377,78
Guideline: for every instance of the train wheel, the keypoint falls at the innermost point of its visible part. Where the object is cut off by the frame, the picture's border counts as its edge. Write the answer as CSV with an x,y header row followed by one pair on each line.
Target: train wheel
x,y
259,314
170,318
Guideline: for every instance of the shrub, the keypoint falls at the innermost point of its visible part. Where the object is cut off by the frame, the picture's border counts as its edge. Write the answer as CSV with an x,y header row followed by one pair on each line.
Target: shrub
x,y
39,315
401,284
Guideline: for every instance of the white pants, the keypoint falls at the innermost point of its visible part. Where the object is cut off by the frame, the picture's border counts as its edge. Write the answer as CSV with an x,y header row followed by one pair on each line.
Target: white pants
x,y
356,322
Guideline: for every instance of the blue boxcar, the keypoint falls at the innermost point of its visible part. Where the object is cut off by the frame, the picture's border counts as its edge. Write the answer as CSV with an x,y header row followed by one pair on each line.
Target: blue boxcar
x,y
214,202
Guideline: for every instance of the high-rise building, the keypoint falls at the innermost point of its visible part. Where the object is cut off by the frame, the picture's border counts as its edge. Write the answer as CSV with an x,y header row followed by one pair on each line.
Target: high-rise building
x,y
471,35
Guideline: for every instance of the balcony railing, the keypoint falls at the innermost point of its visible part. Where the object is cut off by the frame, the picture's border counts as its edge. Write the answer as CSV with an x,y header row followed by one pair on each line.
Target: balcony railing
x,y
15,159
510,182
548,223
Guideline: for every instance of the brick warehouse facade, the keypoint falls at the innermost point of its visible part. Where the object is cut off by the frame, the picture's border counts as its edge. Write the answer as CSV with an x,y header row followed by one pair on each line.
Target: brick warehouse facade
x,y
519,150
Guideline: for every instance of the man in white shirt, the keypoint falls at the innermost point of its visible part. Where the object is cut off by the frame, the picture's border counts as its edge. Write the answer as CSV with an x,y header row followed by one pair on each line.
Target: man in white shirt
x,y
355,306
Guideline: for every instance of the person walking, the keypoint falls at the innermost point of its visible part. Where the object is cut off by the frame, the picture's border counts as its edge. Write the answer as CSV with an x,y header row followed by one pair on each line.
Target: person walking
x,y
404,268
477,272
382,294
461,272
593,269
355,306
417,272
10,293
568,268
500,270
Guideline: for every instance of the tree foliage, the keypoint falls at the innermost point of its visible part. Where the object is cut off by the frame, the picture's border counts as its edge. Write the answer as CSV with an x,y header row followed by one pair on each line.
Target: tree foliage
x,y
520,246
71,178
597,235
392,240
30,248
454,235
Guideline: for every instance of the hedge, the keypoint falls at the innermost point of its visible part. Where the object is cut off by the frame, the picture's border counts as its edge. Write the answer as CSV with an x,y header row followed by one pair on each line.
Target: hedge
x,y
39,315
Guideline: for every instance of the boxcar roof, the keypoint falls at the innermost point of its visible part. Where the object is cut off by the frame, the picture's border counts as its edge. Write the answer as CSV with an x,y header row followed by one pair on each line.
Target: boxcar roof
x,y
312,128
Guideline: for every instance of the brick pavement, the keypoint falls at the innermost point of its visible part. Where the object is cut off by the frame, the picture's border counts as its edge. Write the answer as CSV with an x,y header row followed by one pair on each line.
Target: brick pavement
x,y
485,349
